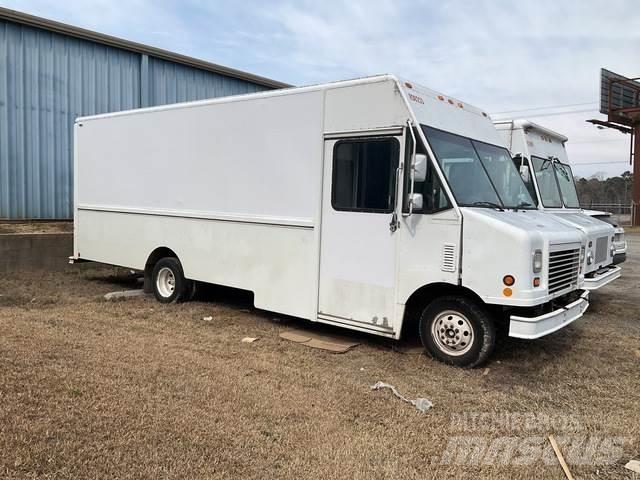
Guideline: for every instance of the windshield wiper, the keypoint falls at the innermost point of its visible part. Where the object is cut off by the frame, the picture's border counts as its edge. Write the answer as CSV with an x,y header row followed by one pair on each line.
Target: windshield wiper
x,y
522,205
489,204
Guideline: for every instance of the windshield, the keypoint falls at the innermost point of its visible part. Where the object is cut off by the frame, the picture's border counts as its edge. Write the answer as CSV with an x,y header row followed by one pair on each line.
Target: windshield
x,y
555,182
567,186
479,174
547,185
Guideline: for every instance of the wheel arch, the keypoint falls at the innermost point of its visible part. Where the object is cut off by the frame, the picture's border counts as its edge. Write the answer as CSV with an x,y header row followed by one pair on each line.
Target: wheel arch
x,y
424,295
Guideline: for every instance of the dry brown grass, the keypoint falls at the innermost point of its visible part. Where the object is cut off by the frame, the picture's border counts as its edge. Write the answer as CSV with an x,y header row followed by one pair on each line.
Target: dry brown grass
x,y
20,227
135,389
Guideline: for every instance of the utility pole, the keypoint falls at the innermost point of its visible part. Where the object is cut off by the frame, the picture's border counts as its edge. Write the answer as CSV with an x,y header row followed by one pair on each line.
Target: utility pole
x,y
635,202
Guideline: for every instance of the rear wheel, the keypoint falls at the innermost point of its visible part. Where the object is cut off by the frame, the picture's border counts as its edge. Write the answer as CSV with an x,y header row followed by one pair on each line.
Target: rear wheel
x,y
457,331
169,284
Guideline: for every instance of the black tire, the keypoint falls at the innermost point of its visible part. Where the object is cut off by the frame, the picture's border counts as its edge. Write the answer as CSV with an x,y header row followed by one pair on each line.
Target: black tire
x,y
181,288
459,319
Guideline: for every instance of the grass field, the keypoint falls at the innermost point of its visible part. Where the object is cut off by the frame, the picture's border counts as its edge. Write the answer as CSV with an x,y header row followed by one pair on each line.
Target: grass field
x,y
136,389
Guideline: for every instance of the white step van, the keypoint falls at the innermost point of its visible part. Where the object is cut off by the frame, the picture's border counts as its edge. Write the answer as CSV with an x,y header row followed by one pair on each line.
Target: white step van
x,y
542,159
363,204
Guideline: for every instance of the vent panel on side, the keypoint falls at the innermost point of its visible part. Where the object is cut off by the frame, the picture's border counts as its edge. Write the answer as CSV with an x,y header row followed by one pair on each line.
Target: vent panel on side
x,y
449,257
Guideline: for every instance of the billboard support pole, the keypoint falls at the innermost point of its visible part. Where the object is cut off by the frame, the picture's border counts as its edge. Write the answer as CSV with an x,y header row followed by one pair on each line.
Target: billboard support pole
x,y
635,204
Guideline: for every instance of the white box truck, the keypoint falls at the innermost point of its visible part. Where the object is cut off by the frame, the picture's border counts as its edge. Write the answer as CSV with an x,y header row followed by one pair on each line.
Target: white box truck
x,y
541,157
361,204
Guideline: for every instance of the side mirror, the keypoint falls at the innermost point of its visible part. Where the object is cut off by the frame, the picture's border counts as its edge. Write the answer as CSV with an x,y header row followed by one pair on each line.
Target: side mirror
x,y
416,201
420,168
524,173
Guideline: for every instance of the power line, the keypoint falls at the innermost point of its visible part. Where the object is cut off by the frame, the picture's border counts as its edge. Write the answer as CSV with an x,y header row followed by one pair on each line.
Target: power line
x,y
600,141
552,114
545,108
575,164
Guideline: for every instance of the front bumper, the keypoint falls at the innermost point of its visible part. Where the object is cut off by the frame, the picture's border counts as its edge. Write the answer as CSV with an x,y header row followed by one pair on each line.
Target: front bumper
x,y
602,277
620,252
619,258
536,327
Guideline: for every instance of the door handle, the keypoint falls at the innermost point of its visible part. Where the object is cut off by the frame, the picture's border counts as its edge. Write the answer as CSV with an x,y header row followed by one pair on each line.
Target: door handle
x,y
394,224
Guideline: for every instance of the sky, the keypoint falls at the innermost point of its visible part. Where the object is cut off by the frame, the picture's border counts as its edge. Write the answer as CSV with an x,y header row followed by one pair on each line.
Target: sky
x,y
532,59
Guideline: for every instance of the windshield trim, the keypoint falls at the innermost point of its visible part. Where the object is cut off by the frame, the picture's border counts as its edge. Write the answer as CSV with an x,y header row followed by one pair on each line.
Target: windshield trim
x,y
473,141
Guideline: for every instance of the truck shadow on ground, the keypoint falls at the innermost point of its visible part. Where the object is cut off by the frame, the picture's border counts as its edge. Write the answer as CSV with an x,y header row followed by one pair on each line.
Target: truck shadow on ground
x,y
511,353
523,357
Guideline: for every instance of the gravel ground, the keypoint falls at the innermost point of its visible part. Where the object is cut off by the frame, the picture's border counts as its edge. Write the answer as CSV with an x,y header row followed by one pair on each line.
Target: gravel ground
x,y
136,389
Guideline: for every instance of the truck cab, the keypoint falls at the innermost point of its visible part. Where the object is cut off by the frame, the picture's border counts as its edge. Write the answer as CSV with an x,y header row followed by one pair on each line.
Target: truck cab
x,y
541,158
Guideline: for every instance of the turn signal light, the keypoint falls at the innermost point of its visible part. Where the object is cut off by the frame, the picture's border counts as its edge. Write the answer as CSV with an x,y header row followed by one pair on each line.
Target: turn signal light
x,y
507,292
536,282
508,280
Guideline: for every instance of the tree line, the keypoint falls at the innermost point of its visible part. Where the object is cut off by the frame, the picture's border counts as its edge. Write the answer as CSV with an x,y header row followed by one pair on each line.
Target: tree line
x,y
610,190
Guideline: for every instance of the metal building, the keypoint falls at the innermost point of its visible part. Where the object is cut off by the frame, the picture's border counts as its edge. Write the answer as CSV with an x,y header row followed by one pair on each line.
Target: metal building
x,y
51,73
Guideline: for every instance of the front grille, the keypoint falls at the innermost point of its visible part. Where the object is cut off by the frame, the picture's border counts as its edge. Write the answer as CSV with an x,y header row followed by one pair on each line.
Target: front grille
x,y
564,266
601,249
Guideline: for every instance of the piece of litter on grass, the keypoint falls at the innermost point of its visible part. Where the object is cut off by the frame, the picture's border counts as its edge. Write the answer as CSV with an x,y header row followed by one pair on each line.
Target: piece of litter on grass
x,y
207,319
249,339
637,351
124,294
486,371
312,339
633,465
422,404
361,369
563,463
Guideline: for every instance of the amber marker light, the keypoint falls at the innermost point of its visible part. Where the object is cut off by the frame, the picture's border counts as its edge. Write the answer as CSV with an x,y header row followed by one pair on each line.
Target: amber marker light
x,y
508,280
507,292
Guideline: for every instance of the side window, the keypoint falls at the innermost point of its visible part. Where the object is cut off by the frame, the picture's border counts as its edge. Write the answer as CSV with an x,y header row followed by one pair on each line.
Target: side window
x,y
364,175
434,198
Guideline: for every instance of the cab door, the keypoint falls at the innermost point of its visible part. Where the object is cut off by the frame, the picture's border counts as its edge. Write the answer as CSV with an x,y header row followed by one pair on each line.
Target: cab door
x,y
358,239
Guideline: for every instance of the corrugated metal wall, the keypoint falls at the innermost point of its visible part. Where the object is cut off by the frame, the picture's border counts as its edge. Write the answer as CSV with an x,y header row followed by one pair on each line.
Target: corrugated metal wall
x,y
47,80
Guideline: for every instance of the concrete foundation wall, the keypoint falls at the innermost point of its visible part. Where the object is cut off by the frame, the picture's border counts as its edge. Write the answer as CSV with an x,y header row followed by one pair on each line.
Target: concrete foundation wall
x,y
47,251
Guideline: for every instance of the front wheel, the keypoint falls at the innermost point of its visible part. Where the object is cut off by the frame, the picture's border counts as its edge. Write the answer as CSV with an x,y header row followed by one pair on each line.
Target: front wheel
x,y
457,331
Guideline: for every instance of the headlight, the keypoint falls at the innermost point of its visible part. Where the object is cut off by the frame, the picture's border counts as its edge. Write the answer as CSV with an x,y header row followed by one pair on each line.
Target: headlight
x,y
589,257
537,261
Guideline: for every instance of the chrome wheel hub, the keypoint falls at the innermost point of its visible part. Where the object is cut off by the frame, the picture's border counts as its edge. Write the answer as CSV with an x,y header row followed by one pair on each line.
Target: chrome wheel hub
x,y
166,282
452,333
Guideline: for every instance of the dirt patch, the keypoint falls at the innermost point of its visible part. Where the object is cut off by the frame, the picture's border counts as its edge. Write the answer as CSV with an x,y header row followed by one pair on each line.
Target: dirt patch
x,y
35,227
136,389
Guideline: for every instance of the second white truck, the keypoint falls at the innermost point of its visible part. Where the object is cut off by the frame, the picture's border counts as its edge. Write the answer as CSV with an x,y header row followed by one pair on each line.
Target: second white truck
x,y
541,157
